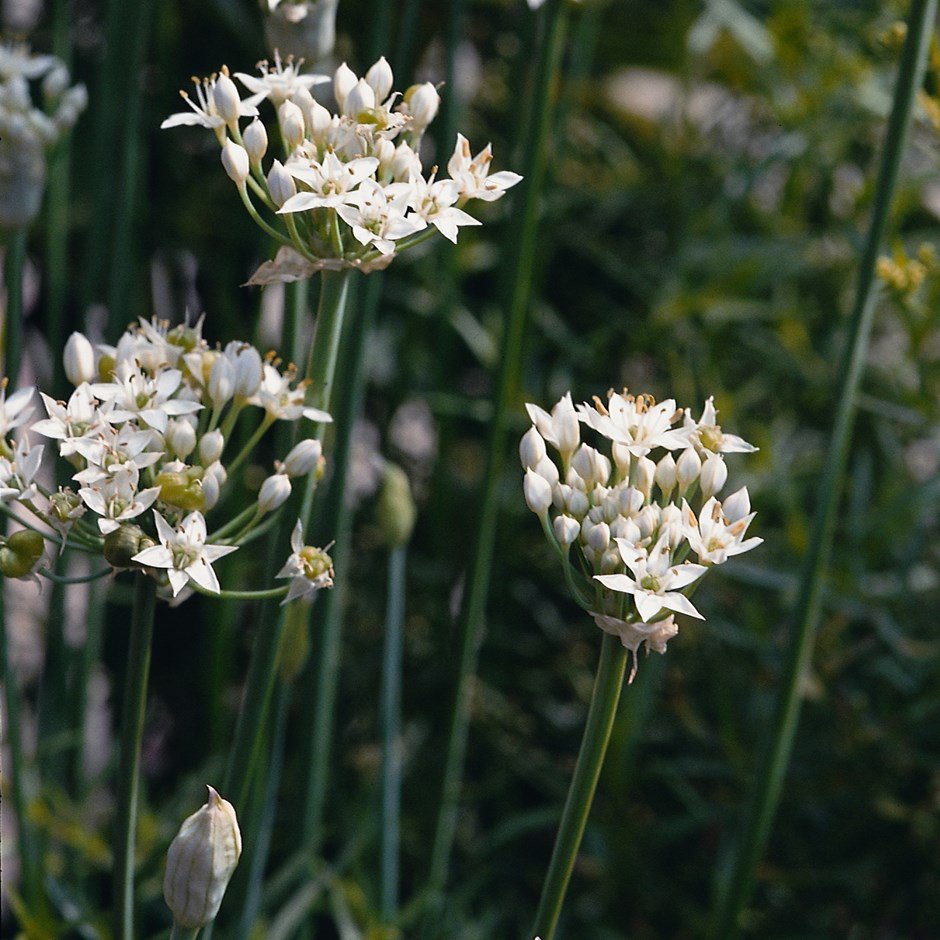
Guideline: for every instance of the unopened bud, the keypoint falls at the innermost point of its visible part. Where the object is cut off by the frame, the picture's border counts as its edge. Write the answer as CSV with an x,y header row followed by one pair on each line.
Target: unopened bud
x,y
274,492
380,79
126,541
538,492
643,474
235,161
344,80
79,359
248,372
221,381
578,504
255,138
360,99
291,119
714,475
546,468
181,490
200,862
665,475
396,511
599,537
737,505
688,467
566,529
531,448
180,437
303,457
281,184
226,100
422,102
210,447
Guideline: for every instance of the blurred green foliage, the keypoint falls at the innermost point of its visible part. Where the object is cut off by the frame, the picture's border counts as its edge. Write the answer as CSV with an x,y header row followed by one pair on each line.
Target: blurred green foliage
x,y
711,177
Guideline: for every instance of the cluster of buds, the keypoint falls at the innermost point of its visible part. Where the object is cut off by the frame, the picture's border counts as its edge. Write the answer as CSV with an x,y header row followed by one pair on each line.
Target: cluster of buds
x,y
146,431
31,121
625,525
351,190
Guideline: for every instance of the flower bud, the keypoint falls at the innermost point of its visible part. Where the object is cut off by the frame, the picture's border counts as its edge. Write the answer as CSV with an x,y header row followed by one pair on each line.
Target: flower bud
x,y
181,490
361,98
126,541
226,100
737,505
318,120
611,562
396,511
344,80
21,554
666,476
630,500
281,184
404,163
578,504
79,359
66,506
211,447
688,467
274,492
714,475
200,862
648,521
546,468
256,141
531,448
235,161
599,537
422,102
303,457
538,492
621,455
291,119
644,471
221,381
248,372
211,485
566,529
380,79
180,437
584,465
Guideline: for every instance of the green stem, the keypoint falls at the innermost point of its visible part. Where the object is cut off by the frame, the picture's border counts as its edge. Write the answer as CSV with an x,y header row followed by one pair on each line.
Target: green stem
x,y
13,261
734,891
520,261
15,769
392,744
600,720
243,454
182,933
335,522
132,730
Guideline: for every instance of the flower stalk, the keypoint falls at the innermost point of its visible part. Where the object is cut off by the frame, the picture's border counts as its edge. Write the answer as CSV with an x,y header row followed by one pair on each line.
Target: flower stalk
x,y
132,730
607,686
733,892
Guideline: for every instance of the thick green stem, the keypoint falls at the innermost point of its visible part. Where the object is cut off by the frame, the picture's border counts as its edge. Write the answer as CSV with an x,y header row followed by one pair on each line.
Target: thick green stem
x,y
132,730
262,668
520,260
600,720
390,720
734,891
14,258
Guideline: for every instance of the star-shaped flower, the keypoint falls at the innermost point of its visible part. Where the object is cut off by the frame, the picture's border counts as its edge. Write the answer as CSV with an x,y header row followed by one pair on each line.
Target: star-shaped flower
x,y
184,553
714,537
310,569
654,585
472,174
706,433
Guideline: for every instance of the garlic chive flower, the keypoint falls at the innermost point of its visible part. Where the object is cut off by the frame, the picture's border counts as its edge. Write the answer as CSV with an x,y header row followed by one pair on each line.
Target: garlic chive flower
x,y
635,531
347,190
146,434
310,569
28,130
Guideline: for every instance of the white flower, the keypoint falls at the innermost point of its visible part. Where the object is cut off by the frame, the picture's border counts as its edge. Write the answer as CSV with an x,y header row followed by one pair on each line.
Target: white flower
x,y
79,359
281,401
377,220
77,425
135,396
435,202
636,634
654,584
638,423
115,498
471,174
706,433
14,410
280,83
310,569
331,181
713,537
184,553
560,427
17,475
204,112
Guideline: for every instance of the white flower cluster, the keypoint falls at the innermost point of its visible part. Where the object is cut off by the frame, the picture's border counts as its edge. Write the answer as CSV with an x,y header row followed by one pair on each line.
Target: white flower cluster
x,y
351,190
625,525
146,430
27,129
